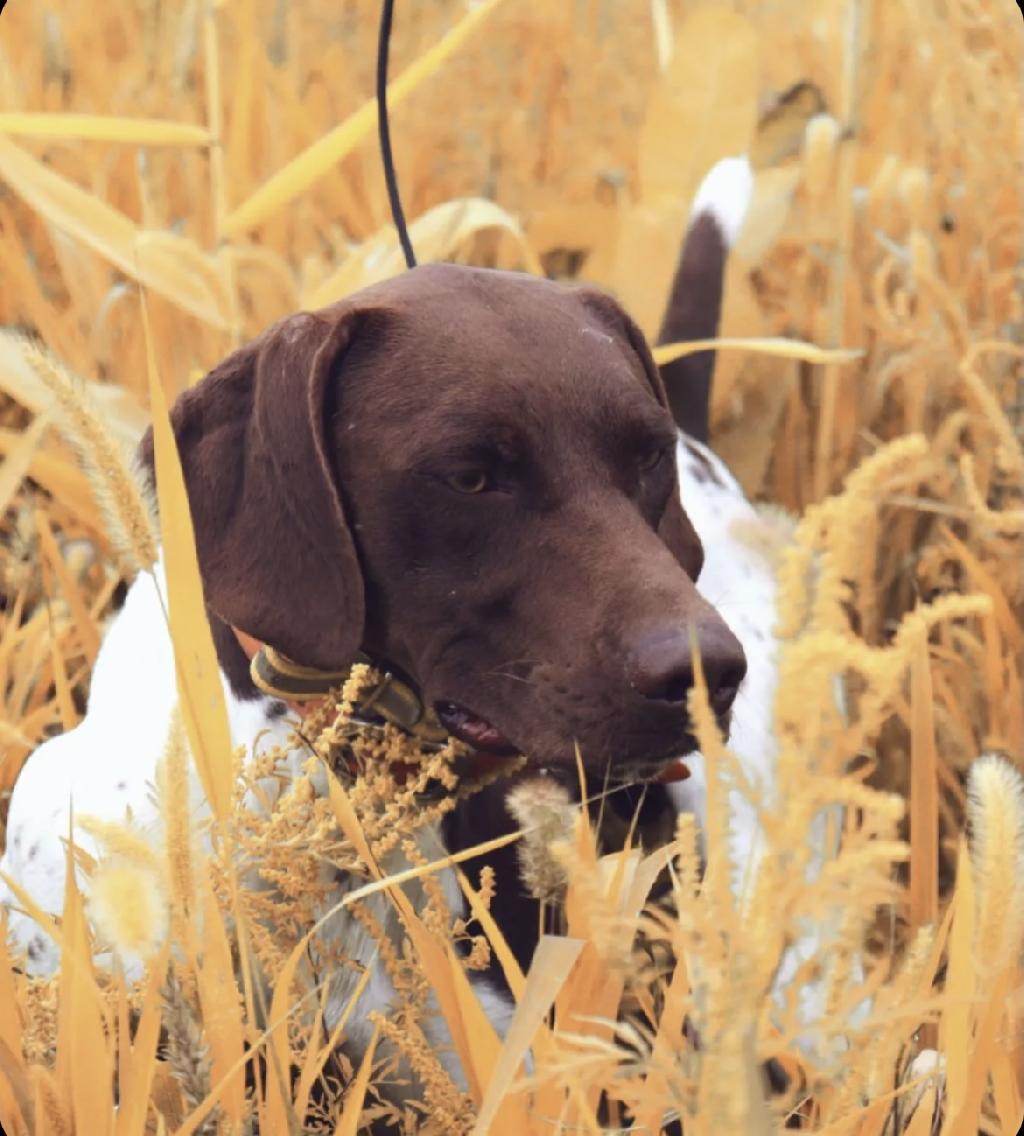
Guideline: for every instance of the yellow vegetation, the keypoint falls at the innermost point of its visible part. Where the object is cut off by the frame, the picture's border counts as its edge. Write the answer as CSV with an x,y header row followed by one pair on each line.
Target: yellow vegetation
x,y
172,178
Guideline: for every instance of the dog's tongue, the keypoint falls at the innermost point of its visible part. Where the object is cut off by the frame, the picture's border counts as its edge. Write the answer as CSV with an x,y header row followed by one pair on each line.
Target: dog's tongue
x,y
474,731
677,771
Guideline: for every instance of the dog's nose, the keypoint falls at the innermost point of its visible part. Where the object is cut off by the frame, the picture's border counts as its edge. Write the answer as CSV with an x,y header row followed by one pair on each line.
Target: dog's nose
x,y
660,664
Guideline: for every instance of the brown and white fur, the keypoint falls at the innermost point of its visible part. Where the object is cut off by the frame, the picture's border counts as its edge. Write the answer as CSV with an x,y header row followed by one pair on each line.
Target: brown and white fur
x,y
106,766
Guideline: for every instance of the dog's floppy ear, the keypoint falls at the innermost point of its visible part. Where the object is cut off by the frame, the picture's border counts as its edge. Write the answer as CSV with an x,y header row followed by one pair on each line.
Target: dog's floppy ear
x,y
675,528
275,552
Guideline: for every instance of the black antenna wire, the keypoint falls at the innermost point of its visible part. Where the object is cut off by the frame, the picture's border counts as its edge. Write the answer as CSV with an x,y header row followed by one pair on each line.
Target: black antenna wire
x,y
384,132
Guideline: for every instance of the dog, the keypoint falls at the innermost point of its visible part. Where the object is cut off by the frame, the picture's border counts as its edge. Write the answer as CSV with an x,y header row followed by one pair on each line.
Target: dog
x,y
473,478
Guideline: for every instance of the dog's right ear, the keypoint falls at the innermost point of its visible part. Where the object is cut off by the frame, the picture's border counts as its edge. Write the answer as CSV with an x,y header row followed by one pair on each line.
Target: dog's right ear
x,y
275,552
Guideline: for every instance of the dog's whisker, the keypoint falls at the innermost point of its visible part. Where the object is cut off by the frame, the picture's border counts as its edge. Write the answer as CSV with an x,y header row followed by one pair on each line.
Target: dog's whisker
x,y
501,672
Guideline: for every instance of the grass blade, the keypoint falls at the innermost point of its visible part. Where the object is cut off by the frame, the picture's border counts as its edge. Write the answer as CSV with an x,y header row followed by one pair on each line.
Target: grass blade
x,y
348,1121
553,962
111,234
104,128
19,457
775,346
199,686
324,155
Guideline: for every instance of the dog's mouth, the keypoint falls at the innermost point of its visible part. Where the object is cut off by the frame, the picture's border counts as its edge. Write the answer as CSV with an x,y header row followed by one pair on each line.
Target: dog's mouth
x,y
475,731
489,743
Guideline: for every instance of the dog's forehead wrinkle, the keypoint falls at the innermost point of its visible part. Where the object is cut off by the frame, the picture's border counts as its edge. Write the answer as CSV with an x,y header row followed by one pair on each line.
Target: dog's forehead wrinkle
x,y
601,336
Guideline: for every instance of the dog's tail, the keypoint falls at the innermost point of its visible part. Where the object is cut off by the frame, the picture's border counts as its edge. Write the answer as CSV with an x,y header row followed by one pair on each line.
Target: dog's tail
x,y
695,300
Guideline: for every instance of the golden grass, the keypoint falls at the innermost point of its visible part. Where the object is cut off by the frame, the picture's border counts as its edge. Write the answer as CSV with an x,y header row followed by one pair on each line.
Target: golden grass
x,y
885,237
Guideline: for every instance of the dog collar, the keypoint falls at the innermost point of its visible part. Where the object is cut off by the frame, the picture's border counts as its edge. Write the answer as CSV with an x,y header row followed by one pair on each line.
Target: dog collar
x,y
393,699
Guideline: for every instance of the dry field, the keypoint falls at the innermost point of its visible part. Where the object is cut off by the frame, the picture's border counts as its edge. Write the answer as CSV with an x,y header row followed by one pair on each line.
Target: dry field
x,y
174,177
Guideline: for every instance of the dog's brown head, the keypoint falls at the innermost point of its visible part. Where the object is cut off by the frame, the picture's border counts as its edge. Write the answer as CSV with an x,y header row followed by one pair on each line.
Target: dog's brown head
x,y
471,475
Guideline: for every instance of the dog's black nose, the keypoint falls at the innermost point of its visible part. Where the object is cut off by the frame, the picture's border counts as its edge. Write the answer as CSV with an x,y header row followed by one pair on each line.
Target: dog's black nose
x,y
660,666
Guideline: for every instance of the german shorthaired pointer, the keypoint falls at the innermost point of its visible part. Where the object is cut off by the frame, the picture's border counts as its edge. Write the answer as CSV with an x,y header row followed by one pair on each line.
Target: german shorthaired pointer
x,y
474,478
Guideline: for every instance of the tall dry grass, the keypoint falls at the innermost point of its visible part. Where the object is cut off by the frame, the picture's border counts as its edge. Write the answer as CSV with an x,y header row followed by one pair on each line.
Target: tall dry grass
x,y
219,161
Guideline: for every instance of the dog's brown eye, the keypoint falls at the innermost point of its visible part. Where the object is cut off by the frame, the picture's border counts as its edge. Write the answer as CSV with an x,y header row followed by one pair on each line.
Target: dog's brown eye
x,y
652,460
469,481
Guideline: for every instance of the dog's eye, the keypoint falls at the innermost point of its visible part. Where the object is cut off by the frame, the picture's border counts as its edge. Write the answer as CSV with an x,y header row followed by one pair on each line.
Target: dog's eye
x,y
652,460
470,481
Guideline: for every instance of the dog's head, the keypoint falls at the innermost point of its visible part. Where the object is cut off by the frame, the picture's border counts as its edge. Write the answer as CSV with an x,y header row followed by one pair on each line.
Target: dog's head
x,y
470,475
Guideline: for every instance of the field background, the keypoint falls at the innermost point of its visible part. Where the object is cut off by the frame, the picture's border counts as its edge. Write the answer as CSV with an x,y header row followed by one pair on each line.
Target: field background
x,y
568,138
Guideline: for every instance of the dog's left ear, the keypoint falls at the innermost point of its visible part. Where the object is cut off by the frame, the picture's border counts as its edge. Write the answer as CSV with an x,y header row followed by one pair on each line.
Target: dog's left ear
x,y
275,550
675,528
